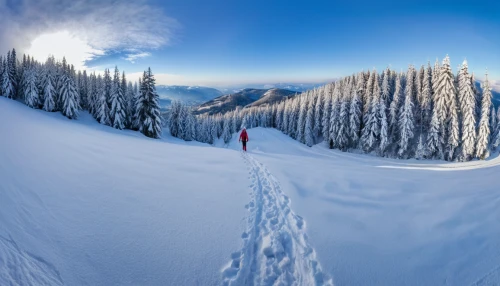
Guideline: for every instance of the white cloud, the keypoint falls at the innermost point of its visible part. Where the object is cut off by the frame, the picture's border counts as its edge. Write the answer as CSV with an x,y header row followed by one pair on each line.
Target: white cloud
x,y
100,25
132,57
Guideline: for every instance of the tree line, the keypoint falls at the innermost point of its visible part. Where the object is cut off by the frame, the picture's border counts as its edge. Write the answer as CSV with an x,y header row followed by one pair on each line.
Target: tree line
x,y
429,113
57,86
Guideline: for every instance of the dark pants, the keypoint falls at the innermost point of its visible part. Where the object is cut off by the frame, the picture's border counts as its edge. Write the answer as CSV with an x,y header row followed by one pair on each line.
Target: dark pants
x,y
244,145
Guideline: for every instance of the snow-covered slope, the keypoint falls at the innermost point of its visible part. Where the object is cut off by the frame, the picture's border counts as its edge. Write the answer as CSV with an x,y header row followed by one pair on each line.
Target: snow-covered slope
x,y
84,204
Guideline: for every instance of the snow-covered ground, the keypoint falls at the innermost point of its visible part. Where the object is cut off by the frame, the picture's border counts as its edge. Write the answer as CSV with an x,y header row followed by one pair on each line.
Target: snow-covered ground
x,y
84,204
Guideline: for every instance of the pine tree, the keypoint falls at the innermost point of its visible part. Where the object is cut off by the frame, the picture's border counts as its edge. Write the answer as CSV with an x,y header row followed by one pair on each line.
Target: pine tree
x,y
69,98
371,131
483,137
148,108
496,134
301,123
334,116
467,109
384,127
309,131
49,92
327,91
7,86
117,112
421,149
406,118
318,112
30,89
394,109
355,116
102,103
342,139
226,133
446,87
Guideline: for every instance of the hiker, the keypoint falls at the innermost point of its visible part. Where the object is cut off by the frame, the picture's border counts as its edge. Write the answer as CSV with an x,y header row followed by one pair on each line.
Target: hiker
x,y
244,138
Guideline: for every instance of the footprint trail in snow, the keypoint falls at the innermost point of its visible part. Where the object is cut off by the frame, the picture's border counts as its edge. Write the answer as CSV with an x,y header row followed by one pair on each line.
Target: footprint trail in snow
x,y
275,249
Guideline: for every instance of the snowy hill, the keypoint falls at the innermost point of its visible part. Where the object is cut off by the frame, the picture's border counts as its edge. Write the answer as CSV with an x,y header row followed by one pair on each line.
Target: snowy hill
x,y
85,204
246,97
191,95
295,87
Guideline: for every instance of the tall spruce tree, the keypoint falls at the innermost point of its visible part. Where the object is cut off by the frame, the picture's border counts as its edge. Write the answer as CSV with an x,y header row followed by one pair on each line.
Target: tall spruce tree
x,y
483,138
467,109
148,108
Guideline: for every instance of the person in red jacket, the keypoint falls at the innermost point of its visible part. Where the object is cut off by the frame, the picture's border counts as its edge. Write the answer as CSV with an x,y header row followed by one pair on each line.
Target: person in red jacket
x,y
244,138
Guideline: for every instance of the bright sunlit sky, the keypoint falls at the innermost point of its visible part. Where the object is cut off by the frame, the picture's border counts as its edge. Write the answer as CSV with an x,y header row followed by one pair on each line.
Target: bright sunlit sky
x,y
217,43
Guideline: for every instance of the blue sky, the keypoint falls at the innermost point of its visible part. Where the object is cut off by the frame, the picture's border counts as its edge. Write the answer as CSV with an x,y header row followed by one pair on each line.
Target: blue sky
x,y
218,43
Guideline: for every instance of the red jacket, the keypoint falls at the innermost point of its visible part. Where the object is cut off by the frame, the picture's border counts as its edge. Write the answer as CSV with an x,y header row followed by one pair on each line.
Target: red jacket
x,y
244,136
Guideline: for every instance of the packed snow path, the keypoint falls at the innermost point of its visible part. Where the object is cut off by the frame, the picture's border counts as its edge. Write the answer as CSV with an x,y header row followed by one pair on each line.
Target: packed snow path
x,y
275,247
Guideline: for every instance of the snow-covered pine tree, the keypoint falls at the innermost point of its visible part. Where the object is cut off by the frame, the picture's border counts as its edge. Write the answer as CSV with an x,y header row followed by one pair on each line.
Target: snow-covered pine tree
x,y
327,108
426,104
384,127
371,132
367,97
406,118
301,123
493,119
342,139
7,85
318,112
420,153
102,111
447,87
30,89
226,133
467,102
148,108
117,112
69,97
478,97
483,137
174,114
310,132
355,116
495,141
129,102
334,115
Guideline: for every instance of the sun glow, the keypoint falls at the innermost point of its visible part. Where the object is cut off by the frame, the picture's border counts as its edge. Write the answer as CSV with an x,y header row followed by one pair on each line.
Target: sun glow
x,y
63,44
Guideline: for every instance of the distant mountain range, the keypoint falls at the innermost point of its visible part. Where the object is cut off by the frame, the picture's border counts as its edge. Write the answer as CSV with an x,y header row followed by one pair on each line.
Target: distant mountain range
x,y
191,95
245,98
297,87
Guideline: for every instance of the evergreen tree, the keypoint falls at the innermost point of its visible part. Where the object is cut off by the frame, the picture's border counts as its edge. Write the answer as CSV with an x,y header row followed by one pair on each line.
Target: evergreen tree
x,y
30,89
342,139
7,86
371,131
406,118
394,109
310,132
334,116
496,134
467,109
49,92
483,137
117,112
148,108
355,116
102,103
384,127
446,87
226,133
301,123
327,91
318,112
69,98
